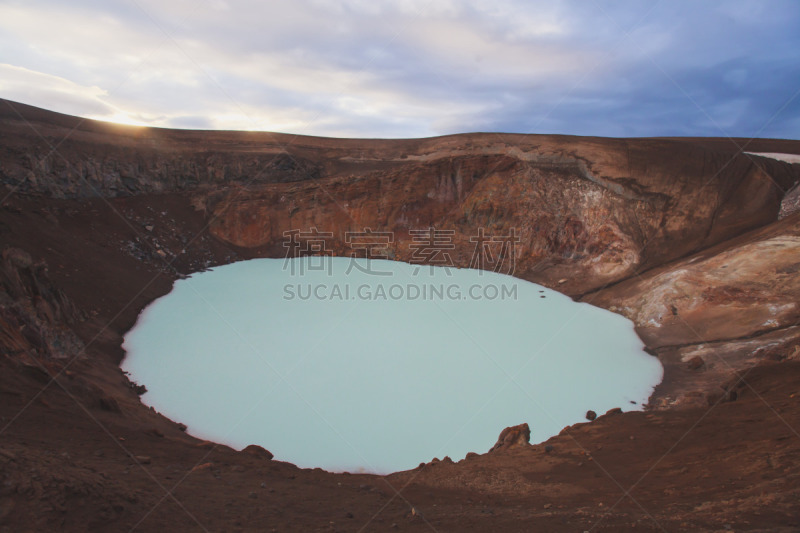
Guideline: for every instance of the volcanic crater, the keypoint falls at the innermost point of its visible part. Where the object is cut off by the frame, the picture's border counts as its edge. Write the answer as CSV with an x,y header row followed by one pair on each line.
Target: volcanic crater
x,y
694,240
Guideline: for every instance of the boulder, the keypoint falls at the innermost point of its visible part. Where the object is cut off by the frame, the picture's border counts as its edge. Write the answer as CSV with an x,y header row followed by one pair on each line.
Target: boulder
x,y
513,437
257,451
696,363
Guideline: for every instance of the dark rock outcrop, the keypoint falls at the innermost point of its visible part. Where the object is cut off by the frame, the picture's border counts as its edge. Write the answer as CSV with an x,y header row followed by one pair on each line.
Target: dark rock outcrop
x,y
109,160
35,315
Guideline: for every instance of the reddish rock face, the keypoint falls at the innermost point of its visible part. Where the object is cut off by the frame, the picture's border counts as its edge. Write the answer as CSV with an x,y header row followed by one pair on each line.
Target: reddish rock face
x,y
748,286
592,212
513,437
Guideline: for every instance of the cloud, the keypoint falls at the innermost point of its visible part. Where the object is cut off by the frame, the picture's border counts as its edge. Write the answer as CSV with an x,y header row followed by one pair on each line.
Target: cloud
x,y
36,88
400,68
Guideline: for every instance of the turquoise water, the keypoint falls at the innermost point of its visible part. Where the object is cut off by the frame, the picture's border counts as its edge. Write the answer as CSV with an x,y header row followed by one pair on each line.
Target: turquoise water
x,y
378,366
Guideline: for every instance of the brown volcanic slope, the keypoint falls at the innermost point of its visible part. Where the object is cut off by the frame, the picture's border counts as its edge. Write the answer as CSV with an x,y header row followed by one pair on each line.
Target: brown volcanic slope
x,y
680,235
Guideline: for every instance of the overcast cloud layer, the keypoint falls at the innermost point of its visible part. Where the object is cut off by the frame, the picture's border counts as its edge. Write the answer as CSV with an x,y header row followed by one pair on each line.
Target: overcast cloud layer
x,y
412,68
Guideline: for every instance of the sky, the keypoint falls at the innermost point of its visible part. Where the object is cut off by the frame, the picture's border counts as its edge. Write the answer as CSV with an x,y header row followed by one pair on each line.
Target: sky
x,y
412,68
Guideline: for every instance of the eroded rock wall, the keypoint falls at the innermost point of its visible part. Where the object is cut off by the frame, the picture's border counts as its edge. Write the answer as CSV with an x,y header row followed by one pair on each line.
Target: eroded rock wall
x,y
743,288
586,212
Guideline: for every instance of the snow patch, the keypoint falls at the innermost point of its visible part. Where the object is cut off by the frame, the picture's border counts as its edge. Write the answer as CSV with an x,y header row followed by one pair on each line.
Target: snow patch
x,y
788,158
